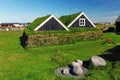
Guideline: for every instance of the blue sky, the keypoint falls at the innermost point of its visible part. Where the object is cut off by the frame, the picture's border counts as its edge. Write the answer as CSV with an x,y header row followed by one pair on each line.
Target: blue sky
x,y
28,10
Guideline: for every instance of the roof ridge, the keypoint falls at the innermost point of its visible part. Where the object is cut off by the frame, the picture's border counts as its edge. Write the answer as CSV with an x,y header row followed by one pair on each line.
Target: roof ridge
x,y
67,19
37,21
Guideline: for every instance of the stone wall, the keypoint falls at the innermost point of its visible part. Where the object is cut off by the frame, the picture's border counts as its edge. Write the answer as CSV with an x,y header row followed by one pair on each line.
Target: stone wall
x,y
56,39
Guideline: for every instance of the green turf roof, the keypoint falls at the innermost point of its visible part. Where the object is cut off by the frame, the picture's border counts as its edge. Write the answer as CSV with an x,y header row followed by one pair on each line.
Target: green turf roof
x,y
37,22
67,19
118,19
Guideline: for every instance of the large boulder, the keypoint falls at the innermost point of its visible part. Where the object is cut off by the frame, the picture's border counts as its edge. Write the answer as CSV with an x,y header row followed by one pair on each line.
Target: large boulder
x,y
73,64
80,62
98,61
77,68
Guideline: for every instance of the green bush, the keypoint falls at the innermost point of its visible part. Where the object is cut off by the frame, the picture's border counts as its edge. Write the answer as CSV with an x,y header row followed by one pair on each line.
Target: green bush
x,y
38,38
54,39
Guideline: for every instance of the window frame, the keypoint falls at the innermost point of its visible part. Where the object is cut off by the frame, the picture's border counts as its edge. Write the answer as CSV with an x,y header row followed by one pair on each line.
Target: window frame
x,y
82,22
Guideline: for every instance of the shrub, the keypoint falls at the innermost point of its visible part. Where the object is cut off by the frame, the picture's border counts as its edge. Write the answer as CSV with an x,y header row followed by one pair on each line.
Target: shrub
x,y
38,38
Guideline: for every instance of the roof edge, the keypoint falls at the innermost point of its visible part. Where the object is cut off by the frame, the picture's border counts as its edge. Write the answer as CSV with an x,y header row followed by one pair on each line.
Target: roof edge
x,y
51,16
82,13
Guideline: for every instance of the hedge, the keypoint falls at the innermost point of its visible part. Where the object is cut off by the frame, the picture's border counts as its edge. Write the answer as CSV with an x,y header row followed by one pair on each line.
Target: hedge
x,y
62,37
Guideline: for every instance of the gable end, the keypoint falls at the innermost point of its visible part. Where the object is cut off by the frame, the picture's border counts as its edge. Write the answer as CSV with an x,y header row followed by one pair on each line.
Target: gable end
x,y
75,22
52,17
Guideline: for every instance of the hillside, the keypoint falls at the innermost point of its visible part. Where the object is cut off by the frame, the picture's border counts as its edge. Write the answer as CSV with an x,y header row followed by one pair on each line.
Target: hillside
x,y
18,63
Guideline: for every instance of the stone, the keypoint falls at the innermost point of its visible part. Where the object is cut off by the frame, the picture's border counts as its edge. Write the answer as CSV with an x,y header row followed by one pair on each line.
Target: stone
x,y
63,71
73,64
80,62
66,71
77,70
98,61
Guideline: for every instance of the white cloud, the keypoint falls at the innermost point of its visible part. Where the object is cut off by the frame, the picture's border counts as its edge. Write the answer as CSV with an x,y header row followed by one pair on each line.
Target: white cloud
x,y
106,19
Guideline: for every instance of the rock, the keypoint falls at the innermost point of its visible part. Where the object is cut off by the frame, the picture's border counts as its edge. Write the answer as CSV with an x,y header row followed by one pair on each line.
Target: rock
x,y
73,64
80,62
98,61
72,72
77,70
65,71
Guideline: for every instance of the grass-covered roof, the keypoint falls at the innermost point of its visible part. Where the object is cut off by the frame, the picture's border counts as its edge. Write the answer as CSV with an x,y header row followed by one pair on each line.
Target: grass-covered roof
x,y
67,19
37,22
118,19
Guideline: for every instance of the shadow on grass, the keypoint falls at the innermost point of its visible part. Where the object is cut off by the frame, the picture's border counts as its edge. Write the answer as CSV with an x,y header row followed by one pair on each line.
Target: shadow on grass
x,y
110,29
112,54
23,40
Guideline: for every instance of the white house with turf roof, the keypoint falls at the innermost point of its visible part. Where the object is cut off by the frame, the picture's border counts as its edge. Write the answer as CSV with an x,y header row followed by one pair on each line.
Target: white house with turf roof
x,y
51,22
77,20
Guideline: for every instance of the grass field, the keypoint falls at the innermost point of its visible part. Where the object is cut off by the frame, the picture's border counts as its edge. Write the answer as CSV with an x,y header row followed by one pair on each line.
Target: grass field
x,y
17,63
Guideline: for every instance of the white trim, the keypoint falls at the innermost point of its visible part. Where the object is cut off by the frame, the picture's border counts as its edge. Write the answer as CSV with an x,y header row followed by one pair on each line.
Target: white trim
x,y
52,16
82,23
78,18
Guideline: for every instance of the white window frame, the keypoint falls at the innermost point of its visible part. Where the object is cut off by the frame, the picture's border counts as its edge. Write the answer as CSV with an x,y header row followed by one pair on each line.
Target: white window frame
x,y
82,22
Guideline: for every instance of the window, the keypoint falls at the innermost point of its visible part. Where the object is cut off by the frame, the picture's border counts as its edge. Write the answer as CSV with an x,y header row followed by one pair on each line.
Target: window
x,y
82,22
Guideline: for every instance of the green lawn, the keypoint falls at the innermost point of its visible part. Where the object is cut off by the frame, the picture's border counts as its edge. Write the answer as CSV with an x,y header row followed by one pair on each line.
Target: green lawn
x,y
17,63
